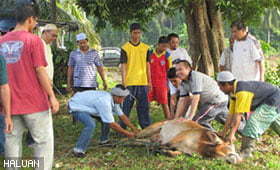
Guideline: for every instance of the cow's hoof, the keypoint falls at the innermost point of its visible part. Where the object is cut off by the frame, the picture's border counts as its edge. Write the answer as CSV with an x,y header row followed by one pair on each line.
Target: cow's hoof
x,y
233,158
172,153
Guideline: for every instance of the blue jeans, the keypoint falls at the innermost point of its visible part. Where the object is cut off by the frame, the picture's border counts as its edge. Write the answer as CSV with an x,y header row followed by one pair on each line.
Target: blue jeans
x,y
2,134
88,131
142,105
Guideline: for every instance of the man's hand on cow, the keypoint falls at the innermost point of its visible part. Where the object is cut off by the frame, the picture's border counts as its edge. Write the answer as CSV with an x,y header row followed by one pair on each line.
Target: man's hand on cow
x,y
222,134
230,138
135,130
130,135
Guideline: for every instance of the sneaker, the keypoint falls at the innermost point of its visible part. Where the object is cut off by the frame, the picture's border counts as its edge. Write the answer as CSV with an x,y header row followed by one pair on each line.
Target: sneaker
x,y
104,142
78,153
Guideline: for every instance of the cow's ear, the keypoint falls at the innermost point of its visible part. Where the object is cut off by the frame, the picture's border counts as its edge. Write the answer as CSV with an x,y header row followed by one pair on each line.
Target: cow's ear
x,y
214,138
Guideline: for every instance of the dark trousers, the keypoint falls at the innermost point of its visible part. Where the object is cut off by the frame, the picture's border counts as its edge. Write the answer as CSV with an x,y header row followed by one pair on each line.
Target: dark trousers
x,y
140,94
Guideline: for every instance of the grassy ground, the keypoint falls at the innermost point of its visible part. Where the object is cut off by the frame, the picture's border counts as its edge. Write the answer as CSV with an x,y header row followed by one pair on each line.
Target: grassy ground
x,y
121,157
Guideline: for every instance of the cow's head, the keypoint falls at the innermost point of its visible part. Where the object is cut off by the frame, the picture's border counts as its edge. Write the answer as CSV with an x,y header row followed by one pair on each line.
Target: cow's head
x,y
218,148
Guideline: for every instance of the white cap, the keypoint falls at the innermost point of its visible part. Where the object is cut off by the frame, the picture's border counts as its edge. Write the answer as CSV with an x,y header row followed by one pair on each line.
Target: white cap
x,y
183,59
225,76
81,36
120,92
48,27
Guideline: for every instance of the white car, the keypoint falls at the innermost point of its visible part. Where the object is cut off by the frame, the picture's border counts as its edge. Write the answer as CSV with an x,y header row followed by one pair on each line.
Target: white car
x,y
110,56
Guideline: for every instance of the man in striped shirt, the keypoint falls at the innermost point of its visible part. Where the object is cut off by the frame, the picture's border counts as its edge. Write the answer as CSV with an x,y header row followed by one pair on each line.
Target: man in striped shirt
x,y
82,66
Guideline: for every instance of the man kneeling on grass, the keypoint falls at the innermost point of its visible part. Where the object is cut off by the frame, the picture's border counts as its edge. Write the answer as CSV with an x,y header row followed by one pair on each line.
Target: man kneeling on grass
x,y
247,96
89,106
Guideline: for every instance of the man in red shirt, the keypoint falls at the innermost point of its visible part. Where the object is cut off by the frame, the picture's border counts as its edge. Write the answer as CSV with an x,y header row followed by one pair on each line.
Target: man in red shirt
x,y
31,91
160,61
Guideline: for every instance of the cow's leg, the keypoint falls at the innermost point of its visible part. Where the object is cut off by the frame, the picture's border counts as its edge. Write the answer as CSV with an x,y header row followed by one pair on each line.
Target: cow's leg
x,y
172,153
150,130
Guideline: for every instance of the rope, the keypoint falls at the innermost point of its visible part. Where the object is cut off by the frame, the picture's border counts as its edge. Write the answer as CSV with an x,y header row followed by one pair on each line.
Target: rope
x,y
206,112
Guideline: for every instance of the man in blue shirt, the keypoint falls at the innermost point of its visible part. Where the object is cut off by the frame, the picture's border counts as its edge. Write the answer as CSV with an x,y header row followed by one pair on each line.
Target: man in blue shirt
x,y
89,106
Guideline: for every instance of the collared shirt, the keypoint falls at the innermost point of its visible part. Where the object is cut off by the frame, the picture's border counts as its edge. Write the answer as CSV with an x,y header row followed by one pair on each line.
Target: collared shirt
x,y
179,53
136,57
84,67
248,95
245,55
199,83
49,58
226,59
96,103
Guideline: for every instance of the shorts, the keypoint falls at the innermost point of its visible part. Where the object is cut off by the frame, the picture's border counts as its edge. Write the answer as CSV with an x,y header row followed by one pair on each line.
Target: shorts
x,y
158,94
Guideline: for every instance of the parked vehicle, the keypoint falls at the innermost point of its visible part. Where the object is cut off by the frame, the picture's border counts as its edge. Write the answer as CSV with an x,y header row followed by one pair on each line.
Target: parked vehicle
x,y
110,56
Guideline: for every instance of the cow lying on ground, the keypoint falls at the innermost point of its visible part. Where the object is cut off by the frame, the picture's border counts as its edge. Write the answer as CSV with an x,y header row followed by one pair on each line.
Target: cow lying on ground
x,y
185,136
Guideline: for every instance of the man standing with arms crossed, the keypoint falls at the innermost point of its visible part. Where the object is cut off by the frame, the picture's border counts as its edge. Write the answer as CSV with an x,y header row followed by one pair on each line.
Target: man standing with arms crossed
x,y
135,70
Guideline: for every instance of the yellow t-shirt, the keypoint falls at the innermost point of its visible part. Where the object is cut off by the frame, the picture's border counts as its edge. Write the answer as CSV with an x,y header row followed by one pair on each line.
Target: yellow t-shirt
x,y
136,57
240,101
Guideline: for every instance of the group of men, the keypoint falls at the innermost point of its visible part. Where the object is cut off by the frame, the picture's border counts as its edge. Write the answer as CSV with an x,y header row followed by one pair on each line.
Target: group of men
x,y
147,75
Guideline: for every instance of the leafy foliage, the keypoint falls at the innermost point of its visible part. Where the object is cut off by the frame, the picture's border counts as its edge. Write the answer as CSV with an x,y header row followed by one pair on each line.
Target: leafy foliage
x,y
272,75
60,64
249,11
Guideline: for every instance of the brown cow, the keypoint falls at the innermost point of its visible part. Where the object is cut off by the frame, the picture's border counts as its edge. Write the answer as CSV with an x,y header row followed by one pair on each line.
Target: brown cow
x,y
189,137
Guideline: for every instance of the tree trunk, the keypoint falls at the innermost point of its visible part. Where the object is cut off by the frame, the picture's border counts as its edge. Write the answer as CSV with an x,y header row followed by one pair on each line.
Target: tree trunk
x,y
53,6
206,35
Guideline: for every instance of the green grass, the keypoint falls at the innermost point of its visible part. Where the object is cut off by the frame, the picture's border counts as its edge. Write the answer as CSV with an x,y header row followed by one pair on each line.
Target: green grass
x,y
267,155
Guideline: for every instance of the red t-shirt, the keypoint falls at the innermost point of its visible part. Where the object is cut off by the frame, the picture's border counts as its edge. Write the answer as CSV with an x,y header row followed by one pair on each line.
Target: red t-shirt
x,y
159,66
24,52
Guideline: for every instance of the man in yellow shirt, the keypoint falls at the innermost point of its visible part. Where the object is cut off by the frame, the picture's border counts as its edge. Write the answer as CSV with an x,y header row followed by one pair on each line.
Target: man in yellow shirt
x,y
135,70
260,103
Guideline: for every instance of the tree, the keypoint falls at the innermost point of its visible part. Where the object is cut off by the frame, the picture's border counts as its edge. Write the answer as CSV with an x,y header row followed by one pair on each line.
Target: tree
x,y
203,18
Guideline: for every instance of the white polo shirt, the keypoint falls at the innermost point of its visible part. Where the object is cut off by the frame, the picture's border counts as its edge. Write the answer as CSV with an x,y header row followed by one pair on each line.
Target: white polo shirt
x,y
179,53
245,55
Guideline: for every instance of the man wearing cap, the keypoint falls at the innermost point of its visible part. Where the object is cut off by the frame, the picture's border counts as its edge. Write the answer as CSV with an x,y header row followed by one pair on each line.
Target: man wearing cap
x,y
89,106
207,102
260,103
82,66
49,35
135,70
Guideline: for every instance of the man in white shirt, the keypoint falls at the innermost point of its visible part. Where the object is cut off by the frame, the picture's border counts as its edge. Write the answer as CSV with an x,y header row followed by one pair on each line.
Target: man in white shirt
x,y
248,58
48,36
226,57
175,51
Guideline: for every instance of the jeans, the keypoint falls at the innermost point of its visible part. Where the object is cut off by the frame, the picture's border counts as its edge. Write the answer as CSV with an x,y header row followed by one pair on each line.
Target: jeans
x,y
89,126
140,93
2,133
40,126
